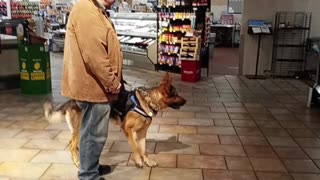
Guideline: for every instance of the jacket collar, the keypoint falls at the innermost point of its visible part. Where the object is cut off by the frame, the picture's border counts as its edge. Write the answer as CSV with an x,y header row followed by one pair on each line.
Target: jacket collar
x,y
98,4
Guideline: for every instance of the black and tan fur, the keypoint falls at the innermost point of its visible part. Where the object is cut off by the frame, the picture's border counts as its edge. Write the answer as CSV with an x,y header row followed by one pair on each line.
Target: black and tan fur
x,y
134,125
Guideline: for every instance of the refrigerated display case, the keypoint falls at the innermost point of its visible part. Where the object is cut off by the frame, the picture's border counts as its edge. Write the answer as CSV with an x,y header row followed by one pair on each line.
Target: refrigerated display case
x,y
9,60
137,33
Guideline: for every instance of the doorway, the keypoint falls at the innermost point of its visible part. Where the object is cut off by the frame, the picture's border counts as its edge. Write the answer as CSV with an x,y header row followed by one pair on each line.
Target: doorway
x,y
226,26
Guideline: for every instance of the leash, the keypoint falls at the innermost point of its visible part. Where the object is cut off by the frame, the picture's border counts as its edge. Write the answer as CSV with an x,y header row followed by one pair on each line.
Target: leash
x,y
128,84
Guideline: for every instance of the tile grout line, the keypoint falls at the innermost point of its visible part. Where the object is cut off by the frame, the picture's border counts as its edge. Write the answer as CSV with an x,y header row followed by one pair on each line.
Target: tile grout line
x,y
51,164
242,146
273,147
312,160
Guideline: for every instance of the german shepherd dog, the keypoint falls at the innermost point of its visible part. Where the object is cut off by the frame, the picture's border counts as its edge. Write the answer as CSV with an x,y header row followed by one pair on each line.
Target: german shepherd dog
x,y
133,111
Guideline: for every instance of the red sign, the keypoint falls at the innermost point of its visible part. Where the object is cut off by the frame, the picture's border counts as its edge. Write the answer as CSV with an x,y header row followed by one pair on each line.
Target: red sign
x,y
9,30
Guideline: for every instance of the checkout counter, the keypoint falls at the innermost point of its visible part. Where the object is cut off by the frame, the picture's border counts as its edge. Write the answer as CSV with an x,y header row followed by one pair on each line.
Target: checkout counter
x,y
227,35
58,40
9,60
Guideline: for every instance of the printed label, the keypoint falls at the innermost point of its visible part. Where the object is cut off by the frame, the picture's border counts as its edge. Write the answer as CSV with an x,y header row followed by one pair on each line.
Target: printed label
x,y
24,76
188,72
36,76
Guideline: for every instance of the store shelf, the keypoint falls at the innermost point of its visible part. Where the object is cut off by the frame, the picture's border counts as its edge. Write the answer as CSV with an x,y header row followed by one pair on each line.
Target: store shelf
x,y
169,54
170,43
176,19
182,6
291,45
137,34
133,16
290,60
293,28
168,68
134,52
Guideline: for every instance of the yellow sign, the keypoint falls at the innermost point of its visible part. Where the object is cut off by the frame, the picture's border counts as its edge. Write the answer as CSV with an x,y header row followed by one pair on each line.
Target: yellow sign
x,y
37,76
36,66
24,75
24,65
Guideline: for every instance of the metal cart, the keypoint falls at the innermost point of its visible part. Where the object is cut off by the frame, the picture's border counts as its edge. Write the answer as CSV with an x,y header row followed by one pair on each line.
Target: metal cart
x,y
314,90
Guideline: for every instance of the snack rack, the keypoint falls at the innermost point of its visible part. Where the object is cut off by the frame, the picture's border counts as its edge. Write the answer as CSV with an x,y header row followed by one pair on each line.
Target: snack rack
x,y
190,59
208,21
178,19
190,48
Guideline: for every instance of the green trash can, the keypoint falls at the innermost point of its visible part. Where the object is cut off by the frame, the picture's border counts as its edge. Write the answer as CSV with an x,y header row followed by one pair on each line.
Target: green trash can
x,y
35,72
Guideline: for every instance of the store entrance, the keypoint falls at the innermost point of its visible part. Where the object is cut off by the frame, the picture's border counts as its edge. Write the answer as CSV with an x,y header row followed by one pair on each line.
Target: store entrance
x,y
226,26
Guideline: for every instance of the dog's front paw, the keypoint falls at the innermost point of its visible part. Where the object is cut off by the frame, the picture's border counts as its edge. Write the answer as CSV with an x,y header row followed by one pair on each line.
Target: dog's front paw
x,y
149,162
139,163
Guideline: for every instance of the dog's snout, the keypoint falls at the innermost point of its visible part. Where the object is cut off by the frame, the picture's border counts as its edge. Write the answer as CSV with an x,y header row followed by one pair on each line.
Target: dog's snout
x,y
184,101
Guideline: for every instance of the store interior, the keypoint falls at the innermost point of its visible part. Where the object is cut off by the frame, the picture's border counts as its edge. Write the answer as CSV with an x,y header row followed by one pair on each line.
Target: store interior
x,y
249,70
182,36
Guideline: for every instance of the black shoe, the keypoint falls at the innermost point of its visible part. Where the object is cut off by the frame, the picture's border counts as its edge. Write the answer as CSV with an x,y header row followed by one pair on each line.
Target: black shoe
x,y
104,169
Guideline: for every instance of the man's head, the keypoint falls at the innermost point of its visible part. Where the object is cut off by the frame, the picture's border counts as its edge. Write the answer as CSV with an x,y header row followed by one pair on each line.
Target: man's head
x,y
107,3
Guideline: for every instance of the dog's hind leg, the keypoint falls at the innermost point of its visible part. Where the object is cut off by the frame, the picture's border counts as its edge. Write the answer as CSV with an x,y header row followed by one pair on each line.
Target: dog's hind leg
x,y
74,121
74,149
141,137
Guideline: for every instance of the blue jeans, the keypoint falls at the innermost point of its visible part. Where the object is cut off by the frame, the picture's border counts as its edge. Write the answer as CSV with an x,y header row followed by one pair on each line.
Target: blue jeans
x,y
93,135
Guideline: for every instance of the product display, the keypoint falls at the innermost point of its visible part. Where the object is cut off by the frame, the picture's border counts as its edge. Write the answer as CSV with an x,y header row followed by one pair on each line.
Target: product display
x,y
208,21
3,8
44,4
190,48
174,3
137,33
177,20
135,44
23,9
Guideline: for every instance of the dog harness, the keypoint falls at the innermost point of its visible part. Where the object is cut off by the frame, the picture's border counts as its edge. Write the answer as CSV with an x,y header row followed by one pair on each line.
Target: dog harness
x,y
136,107
128,102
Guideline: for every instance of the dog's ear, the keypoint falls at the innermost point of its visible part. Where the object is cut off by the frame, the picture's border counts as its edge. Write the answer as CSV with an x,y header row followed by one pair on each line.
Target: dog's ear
x,y
166,83
166,79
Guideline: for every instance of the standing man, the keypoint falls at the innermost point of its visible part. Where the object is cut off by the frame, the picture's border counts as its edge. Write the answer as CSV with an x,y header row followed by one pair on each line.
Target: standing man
x,y
92,76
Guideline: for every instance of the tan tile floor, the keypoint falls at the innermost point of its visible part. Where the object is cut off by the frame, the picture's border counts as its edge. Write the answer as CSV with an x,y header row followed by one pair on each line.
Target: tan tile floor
x,y
231,128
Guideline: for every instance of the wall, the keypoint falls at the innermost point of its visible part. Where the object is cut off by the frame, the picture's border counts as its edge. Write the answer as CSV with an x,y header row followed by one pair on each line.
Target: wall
x,y
262,9
314,7
219,7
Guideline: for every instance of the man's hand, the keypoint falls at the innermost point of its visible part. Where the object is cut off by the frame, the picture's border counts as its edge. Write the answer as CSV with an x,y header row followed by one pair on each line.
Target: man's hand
x,y
117,91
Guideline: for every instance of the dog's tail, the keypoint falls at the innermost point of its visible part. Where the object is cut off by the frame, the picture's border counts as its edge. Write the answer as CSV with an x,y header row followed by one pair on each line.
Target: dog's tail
x,y
53,116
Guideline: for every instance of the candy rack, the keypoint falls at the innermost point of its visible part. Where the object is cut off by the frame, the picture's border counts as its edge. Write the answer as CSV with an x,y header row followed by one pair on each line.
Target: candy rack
x,y
208,21
190,48
179,19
